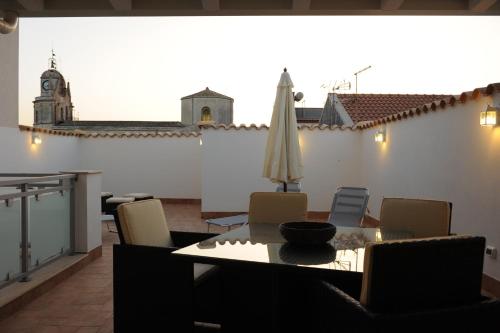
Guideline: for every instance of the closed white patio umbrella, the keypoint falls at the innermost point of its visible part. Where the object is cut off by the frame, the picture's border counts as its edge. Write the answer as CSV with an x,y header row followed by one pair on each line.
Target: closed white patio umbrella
x,y
283,160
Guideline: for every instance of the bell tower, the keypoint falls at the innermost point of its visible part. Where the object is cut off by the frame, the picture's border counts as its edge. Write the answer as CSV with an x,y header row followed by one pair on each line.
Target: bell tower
x,y
54,105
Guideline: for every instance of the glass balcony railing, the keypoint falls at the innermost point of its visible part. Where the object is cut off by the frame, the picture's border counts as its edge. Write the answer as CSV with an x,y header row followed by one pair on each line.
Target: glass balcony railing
x,y
36,222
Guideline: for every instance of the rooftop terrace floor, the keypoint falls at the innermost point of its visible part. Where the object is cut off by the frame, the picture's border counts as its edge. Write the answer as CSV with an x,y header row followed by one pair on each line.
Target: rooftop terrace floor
x,y
83,303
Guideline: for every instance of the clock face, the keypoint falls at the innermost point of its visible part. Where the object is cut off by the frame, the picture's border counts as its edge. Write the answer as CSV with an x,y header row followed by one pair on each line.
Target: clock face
x,y
45,85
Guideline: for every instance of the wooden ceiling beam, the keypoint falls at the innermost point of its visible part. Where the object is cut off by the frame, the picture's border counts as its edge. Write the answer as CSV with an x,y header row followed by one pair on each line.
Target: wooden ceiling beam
x,y
301,4
121,4
32,5
391,4
481,5
211,5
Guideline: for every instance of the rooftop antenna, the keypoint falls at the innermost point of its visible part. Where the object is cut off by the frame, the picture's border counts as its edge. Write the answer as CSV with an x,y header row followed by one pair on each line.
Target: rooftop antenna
x,y
52,60
344,85
356,75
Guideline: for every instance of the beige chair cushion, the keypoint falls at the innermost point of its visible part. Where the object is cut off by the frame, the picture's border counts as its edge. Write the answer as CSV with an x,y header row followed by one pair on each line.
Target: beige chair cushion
x,y
277,207
144,223
422,218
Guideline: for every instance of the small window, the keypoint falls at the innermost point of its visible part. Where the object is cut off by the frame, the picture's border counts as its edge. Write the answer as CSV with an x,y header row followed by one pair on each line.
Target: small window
x,y
206,115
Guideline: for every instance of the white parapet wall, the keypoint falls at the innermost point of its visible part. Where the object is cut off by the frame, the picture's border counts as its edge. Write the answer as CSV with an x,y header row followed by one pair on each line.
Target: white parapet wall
x,y
19,155
232,162
167,167
442,155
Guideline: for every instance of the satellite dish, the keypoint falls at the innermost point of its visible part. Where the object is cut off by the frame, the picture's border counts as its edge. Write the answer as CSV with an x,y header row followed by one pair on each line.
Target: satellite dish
x,y
298,96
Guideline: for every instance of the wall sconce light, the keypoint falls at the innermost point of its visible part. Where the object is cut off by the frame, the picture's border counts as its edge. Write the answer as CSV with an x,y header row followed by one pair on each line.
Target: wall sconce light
x,y
489,117
380,135
36,139
201,142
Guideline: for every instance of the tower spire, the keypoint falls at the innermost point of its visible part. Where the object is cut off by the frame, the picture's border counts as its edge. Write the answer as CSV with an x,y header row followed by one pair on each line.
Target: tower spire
x,y
52,60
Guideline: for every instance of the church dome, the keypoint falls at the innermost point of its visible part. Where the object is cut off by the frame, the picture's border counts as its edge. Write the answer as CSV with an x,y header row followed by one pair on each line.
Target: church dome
x,y
51,74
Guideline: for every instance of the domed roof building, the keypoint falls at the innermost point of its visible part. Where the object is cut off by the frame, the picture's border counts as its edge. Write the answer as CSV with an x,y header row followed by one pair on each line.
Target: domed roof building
x,y
54,105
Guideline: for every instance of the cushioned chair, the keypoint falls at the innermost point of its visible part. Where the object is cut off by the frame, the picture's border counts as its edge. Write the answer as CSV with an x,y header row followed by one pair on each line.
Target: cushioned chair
x,y
413,285
151,288
421,218
277,207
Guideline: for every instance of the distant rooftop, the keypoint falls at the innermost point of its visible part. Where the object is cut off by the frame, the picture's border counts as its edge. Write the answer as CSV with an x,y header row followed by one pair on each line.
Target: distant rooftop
x,y
117,125
207,93
367,107
308,115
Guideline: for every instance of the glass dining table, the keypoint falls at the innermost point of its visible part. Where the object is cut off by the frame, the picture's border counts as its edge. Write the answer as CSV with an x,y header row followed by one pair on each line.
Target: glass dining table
x,y
262,243
266,281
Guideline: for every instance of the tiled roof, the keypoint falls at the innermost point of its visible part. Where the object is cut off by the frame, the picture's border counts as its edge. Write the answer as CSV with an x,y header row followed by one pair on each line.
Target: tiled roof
x,y
119,125
207,93
491,89
367,107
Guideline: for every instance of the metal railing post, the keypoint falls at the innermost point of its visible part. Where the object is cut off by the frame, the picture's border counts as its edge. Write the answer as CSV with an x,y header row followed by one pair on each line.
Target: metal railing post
x,y
72,217
25,246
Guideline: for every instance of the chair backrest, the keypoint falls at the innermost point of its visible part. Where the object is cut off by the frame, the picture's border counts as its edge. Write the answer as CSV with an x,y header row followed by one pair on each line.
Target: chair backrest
x,y
143,223
277,207
422,218
422,273
349,206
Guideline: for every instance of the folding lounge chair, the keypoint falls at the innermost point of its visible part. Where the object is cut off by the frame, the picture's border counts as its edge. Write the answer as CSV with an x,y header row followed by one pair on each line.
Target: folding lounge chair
x,y
349,206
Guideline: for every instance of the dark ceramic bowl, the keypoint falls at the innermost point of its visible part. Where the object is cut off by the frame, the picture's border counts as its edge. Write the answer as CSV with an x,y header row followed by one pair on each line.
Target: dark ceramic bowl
x,y
307,233
317,254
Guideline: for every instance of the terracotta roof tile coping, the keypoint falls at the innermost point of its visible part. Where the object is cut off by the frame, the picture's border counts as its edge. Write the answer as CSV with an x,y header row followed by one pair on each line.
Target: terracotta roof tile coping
x,y
109,134
266,127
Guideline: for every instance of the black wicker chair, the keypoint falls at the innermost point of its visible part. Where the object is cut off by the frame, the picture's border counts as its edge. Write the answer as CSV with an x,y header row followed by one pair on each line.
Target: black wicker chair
x,y
151,288
410,286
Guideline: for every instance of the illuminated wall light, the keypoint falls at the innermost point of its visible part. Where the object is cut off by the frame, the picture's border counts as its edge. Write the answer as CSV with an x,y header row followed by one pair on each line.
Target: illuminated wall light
x,y
380,135
201,142
36,139
488,117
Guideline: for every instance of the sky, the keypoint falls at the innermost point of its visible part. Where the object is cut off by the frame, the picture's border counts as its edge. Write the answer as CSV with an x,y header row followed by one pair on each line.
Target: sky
x,y
139,68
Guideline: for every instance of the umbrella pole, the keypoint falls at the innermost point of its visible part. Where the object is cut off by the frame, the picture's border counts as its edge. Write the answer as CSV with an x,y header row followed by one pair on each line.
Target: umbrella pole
x,y
285,187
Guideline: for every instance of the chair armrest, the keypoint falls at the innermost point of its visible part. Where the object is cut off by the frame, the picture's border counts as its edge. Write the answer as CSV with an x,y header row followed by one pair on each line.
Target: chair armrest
x,y
184,238
370,222
340,310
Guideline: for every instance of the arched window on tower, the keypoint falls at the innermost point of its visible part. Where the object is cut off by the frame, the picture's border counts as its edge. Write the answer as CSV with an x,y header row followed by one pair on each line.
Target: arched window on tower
x,y
206,114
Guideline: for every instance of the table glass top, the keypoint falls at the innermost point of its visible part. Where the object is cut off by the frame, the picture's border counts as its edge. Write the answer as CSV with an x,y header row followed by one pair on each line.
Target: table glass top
x,y
263,243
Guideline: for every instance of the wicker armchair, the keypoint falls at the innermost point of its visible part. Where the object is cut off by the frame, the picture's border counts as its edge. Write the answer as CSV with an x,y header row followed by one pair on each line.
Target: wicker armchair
x,y
151,289
408,286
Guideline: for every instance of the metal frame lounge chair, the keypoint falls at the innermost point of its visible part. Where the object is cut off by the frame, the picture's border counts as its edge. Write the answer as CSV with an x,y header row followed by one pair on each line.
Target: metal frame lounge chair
x,y
349,206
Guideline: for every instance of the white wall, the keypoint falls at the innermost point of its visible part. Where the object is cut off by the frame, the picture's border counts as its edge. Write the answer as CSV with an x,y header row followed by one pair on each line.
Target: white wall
x,y
167,167
9,79
56,153
232,162
444,155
